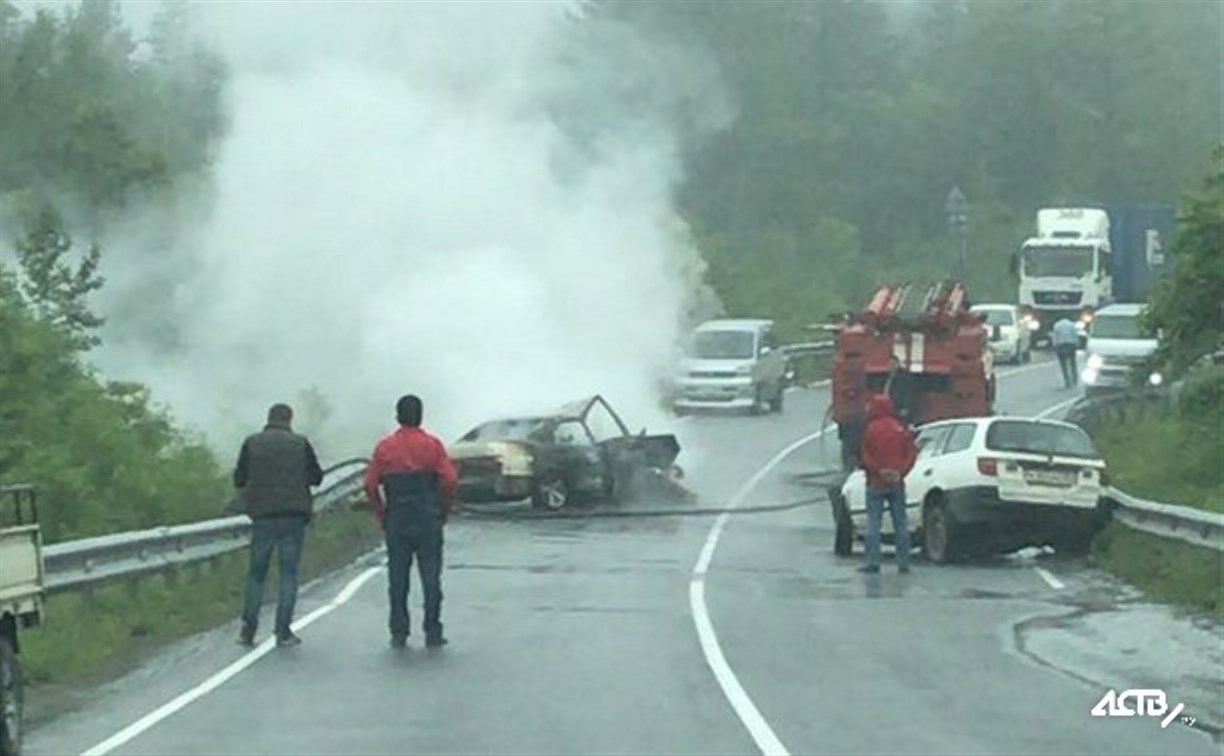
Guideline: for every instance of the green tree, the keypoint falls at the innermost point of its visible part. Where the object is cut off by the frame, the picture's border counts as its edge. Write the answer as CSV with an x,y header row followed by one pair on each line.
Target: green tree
x,y
56,288
1186,304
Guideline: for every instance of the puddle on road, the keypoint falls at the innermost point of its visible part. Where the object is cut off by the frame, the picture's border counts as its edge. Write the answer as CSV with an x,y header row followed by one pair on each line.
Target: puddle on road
x,y
1109,644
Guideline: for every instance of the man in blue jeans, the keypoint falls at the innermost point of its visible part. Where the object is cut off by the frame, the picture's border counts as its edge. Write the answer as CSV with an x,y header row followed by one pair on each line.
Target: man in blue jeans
x,y
887,456
276,468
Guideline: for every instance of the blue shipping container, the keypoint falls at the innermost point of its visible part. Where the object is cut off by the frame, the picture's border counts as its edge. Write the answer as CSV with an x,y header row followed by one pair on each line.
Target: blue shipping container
x,y
1141,239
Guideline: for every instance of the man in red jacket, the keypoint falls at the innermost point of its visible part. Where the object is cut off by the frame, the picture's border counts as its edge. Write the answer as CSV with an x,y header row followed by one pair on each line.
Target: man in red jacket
x,y
412,468
887,456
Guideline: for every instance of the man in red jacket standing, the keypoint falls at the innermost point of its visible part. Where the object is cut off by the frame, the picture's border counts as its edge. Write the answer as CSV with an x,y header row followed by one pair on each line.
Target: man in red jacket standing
x,y
887,456
412,468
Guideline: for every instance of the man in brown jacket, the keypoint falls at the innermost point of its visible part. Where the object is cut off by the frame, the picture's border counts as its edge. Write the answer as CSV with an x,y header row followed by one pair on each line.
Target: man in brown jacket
x,y
276,468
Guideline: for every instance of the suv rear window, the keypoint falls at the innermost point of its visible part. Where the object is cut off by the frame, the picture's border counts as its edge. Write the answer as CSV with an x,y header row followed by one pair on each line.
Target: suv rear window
x,y
1039,438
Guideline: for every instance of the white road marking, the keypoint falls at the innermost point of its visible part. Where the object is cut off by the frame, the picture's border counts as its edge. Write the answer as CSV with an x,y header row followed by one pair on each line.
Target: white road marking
x,y
217,680
762,734
1060,406
1050,578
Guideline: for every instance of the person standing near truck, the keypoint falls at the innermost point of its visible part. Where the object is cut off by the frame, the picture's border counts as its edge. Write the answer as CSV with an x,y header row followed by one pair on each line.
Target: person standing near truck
x,y
1065,338
887,456
276,468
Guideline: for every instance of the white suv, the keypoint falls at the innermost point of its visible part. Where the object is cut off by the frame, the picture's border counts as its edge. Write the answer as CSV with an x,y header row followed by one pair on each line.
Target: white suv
x,y
992,484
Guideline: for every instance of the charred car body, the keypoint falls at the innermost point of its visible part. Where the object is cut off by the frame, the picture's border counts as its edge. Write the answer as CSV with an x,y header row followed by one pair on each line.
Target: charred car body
x,y
582,451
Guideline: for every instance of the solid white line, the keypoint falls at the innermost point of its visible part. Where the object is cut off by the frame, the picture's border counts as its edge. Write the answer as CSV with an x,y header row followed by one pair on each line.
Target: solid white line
x,y
1050,578
762,734
217,680
1061,405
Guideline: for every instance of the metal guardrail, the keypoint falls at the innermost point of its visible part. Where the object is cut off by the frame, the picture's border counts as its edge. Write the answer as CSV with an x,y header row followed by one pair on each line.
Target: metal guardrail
x,y
1194,526
1187,524
88,562
809,349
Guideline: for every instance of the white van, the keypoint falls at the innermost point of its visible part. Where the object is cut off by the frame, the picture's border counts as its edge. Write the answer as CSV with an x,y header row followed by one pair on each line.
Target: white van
x,y
731,364
1116,348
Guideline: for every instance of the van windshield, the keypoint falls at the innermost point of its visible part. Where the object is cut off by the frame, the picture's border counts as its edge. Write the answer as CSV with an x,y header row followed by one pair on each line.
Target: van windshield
x,y
721,345
1116,327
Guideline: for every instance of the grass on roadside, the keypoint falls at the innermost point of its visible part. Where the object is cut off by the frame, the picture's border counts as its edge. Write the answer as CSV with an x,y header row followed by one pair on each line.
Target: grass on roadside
x,y
1165,569
90,639
1166,457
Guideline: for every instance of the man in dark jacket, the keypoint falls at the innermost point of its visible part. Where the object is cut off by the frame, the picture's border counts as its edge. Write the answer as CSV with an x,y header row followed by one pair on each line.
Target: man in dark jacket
x,y
412,469
887,457
276,468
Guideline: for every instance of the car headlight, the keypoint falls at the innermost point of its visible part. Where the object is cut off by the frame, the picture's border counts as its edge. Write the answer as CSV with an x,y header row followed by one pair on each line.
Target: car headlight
x,y
1156,378
1095,362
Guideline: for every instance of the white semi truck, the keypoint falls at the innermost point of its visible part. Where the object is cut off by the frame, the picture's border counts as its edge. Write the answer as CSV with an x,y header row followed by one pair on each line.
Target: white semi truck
x,y
1066,270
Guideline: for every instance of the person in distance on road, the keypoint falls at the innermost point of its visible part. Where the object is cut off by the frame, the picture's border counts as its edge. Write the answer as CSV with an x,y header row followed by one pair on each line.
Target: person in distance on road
x,y
411,468
887,456
1065,338
276,468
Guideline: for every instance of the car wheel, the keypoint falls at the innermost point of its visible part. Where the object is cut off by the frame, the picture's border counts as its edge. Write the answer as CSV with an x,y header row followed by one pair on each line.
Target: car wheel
x,y
551,492
939,532
10,698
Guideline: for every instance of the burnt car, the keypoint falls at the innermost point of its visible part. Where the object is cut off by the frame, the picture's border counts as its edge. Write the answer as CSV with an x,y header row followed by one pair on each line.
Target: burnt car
x,y
581,451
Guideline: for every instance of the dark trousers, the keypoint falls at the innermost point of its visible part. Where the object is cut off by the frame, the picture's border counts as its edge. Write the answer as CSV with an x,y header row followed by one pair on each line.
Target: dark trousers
x,y
286,535
1066,361
419,537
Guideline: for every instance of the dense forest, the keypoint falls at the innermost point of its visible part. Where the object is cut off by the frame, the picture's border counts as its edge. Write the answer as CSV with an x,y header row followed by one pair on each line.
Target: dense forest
x,y
852,123
856,119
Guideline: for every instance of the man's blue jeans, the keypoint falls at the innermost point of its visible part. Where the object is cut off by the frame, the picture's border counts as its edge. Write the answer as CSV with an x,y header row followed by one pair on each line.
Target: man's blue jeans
x,y
894,498
286,535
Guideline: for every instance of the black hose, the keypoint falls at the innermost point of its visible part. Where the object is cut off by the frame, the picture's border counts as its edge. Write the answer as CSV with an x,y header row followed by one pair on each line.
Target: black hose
x,y
591,514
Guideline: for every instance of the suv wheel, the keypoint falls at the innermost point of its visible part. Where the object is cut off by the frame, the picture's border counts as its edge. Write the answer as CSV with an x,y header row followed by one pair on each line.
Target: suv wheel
x,y
939,532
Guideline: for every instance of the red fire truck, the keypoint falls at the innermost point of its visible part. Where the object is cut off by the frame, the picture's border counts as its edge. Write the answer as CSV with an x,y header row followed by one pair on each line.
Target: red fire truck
x,y
929,352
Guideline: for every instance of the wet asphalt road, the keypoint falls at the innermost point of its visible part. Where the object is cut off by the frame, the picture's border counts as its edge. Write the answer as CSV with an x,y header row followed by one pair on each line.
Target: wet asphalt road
x,y
579,637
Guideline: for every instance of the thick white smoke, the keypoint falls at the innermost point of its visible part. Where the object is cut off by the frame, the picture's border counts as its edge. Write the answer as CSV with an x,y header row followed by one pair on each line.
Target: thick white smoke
x,y
470,201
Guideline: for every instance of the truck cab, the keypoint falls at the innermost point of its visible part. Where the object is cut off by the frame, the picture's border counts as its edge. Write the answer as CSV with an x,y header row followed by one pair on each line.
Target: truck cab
x,y
731,365
1066,270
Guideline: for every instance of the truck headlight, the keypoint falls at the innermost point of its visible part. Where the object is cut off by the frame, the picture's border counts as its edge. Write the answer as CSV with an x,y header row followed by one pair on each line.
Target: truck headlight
x,y
1095,362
